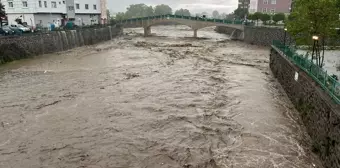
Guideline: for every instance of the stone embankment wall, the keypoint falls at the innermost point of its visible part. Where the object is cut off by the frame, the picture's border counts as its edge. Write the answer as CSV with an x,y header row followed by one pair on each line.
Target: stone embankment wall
x,y
18,47
318,111
263,36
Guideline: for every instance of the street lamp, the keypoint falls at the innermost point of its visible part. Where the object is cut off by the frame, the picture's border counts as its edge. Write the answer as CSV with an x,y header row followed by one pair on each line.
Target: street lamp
x,y
316,42
284,38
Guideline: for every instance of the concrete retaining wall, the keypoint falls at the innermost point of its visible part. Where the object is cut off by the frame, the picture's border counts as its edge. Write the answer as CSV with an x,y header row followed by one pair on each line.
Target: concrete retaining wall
x,y
263,36
17,47
318,111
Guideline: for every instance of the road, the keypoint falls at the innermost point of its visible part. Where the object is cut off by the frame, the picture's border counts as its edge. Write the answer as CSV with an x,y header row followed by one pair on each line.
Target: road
x,y
159,102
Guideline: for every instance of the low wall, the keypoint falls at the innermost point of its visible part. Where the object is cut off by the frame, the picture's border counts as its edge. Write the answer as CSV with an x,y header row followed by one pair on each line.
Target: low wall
x,y
18,47
263,36
318,111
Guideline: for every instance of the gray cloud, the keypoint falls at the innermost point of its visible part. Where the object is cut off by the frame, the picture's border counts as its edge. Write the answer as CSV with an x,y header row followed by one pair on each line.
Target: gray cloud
x,y
195,6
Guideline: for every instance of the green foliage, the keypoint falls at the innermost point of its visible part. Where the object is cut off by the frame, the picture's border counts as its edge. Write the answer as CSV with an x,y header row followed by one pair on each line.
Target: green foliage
x,y
120,16
216,14
183,12
139,10
265,17
279,17
317,17
257,15
250,17
240,13
163,9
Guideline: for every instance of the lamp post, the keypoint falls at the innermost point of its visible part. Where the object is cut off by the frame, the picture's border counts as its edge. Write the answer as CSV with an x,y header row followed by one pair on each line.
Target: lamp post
x,y
284,38
316,42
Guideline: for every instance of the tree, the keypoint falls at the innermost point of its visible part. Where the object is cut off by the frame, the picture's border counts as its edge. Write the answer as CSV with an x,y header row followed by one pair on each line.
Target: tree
x,y
240,13
279,17
183,12
314,18
163,10
257,16
216,14
2,13
265,17
223,16
139,10
120,16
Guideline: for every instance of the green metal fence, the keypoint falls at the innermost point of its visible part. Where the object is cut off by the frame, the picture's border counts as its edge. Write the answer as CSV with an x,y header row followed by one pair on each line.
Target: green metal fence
x,y
239,22
328,83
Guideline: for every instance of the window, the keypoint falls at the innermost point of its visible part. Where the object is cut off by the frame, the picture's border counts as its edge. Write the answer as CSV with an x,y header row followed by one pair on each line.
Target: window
x,y
45,4
40,4
63,2
272,11
86,6
77,6
273,1
24,4
10,4
54,4
265,1
264,10
95,7
71,8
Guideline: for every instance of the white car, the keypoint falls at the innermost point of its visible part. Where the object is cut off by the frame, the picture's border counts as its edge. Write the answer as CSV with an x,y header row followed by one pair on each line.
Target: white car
x,y
21,27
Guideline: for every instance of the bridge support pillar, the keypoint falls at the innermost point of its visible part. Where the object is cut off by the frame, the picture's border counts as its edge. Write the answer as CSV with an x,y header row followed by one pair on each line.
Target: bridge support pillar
x,y
147,31
195,33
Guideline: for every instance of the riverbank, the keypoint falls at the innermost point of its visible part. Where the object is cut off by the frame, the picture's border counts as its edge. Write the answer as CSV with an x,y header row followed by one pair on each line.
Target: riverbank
x,y
19,47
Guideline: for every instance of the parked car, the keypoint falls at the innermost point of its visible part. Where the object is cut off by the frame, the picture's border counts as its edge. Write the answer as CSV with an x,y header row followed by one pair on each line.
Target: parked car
x,y
5,30
16,30
20,27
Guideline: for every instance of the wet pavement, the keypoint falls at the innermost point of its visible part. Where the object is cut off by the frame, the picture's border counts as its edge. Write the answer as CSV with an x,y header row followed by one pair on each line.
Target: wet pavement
x,y
159,102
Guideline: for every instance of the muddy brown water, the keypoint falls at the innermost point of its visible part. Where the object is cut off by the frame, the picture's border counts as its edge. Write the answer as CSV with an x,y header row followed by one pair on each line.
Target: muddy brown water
x,y
157,102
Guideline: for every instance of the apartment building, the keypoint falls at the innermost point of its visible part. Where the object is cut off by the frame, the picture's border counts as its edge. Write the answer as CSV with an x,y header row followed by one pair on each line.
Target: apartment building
x,y
253,6
243,4
274,6
44,12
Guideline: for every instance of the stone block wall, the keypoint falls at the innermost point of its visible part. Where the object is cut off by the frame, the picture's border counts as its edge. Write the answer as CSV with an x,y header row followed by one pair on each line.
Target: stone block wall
x,y
264,36
320,114
224,30
17,47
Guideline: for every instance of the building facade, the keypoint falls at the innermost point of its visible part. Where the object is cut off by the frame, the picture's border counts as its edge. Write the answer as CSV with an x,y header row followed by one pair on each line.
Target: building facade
x,y
274,6
103,15
253,6
243,4
45,12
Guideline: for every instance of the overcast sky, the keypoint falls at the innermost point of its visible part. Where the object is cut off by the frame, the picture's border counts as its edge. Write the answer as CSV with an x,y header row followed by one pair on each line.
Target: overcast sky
x,y
195,6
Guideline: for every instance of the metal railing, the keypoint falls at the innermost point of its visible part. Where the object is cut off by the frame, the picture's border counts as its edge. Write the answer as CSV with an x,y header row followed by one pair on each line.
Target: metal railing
x,y
223,21
328,83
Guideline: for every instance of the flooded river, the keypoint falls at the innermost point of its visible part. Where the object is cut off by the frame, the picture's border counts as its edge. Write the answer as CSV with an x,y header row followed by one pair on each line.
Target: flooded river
x,y
159,102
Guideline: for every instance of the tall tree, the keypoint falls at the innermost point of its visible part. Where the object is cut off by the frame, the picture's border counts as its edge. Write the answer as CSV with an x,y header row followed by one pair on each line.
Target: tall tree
x,y
256,17
2,13
265,17
279,17
223,16
120,16
183,12
314,18
240,13
216,14
139,10
163,9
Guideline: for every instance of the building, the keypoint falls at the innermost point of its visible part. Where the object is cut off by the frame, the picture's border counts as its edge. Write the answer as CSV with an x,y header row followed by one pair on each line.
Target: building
x,y
103,15
243,4
45,12
253,6
274,6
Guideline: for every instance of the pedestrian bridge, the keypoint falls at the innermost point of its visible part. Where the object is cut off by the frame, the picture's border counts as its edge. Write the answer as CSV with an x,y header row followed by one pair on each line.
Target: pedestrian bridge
x,y
195,23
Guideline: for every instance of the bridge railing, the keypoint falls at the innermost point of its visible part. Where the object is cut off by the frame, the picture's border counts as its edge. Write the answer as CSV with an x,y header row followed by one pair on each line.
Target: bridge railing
x,y
328,83
222,21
